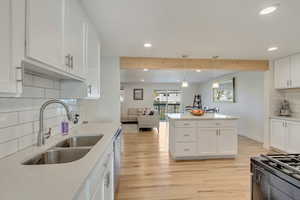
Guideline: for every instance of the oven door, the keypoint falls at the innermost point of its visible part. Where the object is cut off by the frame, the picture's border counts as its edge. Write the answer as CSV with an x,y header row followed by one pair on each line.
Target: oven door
x,y
260,184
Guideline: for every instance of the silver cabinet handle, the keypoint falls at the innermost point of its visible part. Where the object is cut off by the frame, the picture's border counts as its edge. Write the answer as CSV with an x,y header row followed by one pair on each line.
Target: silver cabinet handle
x,y
186,124
186,149
186,135
90,89
20,74
67,60
72,62
107,180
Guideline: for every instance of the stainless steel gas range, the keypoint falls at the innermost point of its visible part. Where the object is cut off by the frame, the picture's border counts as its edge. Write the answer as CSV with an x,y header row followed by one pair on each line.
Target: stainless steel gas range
x,y
276,177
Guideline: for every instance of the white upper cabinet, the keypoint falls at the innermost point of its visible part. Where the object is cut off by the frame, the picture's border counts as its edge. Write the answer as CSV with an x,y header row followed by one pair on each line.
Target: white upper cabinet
x,y
11,12
282,73
45,32
75,38
287,72
295,71
93,64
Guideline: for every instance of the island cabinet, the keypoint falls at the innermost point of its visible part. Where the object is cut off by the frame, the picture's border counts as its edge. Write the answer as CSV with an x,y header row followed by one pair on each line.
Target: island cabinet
x,y
202,139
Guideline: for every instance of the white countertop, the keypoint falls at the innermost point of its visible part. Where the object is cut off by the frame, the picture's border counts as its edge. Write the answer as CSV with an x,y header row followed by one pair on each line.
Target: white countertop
x,y
286,118
57,181
206,116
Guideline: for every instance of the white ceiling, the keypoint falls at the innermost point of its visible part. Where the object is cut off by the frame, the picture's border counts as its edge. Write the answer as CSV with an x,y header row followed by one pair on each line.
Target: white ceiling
x,y
199,28
170,76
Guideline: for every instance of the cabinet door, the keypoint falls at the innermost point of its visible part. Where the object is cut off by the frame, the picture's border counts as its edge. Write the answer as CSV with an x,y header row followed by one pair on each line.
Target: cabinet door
x,y
282,73
207,141
93,64
8,71
45,32
75,38
227,141
295,71
99,194
293,137
278,134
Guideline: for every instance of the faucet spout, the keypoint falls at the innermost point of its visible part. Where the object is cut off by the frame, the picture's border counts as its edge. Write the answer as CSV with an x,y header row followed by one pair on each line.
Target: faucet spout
x,y
41,134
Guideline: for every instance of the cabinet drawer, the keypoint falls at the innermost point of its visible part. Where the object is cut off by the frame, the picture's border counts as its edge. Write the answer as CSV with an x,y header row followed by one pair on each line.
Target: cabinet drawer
x,y
186,149
185,123
185,134
217,123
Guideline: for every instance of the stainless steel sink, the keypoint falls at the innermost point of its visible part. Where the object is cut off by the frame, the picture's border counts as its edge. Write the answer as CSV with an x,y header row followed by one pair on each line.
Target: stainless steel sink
x,y
80,141
58,155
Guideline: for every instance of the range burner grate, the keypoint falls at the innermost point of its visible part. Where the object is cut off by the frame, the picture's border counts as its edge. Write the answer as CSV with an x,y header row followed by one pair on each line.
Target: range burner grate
x,y
288,163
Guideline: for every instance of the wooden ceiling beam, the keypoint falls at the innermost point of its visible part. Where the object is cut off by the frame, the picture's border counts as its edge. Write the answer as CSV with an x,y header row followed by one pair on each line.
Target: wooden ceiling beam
x,y
192,63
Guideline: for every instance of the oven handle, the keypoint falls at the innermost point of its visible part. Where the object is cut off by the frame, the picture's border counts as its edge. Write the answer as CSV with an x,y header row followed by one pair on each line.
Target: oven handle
x,y
259,173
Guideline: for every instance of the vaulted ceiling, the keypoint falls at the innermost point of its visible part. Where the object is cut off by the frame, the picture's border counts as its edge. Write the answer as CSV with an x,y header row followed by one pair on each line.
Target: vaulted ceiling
x,y
199,28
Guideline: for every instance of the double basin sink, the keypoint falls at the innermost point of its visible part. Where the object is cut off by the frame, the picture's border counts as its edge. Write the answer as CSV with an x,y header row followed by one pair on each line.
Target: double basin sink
x,y
68,150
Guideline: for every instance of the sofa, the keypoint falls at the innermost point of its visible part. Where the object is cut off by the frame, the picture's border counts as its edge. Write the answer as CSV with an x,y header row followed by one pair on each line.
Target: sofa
x,y
141,117
132,115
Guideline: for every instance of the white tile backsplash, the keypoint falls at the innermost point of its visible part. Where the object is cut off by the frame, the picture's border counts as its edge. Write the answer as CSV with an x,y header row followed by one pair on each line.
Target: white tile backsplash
x,y
7,134
19,117
8,148
8,119
33,92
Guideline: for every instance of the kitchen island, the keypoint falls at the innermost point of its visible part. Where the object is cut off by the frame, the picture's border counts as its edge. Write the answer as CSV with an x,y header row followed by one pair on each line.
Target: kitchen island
x,y
202,137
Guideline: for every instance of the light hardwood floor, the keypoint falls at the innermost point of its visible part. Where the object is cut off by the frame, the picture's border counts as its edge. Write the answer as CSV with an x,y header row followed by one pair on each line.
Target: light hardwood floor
x,y
148,173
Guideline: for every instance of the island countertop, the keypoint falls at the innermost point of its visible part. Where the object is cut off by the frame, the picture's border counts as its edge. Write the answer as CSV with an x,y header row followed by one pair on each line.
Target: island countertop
x,y
206,116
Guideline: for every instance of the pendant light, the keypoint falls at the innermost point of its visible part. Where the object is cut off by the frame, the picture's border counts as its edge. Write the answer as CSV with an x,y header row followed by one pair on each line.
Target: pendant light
x,y
184,83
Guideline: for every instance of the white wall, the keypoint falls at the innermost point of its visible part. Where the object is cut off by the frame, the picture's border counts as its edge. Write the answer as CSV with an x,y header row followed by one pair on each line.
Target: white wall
x,y
107,108
249,104
186,98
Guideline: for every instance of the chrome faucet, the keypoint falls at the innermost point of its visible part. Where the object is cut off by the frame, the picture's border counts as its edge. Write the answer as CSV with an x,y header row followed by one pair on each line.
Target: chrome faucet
x,y
41,134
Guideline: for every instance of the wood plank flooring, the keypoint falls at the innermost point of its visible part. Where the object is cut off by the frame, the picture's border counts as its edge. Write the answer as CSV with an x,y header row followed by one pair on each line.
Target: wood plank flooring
x,y
148,173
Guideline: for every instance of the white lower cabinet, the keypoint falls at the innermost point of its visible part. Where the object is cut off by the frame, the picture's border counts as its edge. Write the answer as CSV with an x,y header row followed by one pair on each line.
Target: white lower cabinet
x,y
227,141
278,134
203,139
104,189
100,183
285,135
293,137
207,141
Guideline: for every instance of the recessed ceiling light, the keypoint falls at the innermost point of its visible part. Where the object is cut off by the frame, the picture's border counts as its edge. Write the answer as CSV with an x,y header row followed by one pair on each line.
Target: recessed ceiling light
x,y
198,70
268,10
147,45
273,49
142,80
145,70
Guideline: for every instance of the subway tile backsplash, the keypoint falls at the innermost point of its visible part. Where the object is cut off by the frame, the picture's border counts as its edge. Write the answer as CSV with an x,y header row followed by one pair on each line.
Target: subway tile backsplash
x,y
19,116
